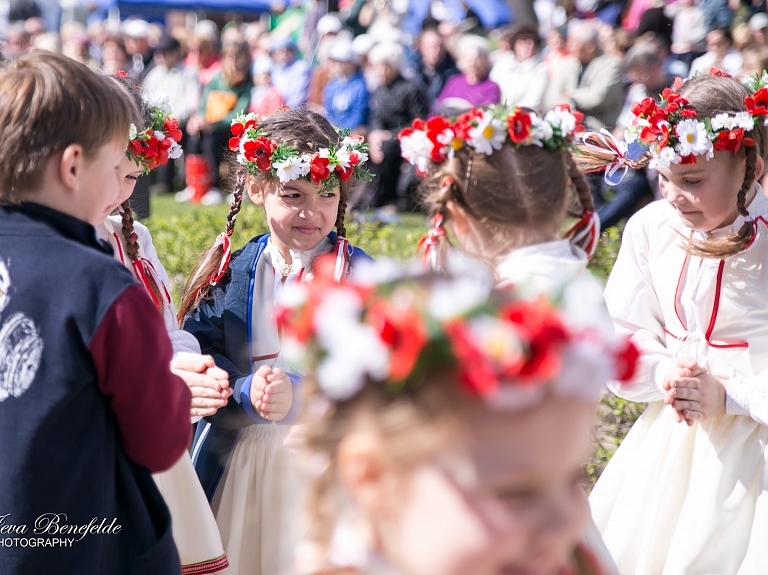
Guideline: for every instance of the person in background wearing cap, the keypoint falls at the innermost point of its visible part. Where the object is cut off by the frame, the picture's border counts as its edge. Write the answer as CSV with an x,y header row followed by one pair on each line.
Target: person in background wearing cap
x,y
758,23
345,97
432,62
328,29
520,72
265,99
181,83
136,33
289,75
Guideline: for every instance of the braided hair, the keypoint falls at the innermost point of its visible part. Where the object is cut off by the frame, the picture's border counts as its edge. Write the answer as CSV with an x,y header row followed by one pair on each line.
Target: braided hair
x,y
307,131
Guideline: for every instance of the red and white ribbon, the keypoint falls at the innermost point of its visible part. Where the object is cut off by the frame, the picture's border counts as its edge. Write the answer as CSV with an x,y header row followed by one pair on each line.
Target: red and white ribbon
x,y
226,255
611,146
587,228
343,252
430,244
144,271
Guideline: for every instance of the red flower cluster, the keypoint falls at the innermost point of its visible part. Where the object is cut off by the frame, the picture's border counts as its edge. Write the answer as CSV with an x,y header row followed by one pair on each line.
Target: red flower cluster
x,y
519,126
658,118
403,332
171,128
151,151
732,140
259,151
318,169
537,326
757,103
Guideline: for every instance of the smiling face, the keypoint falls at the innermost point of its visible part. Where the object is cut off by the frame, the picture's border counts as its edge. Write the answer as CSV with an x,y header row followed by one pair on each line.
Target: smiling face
x,y
127,173
100,182
704,193
298,214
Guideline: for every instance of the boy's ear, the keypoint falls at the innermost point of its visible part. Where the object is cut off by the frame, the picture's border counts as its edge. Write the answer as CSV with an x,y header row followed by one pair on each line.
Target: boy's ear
x,y
254,191
71,166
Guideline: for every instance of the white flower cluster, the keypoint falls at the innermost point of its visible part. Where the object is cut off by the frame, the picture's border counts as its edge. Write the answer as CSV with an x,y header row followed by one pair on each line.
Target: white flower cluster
x,y
159,100
754,83
693,138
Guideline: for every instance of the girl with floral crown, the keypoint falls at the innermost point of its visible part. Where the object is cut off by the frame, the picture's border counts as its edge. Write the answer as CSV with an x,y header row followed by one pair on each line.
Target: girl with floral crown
x,y
299,168
456,443
154,138
500,179
687,491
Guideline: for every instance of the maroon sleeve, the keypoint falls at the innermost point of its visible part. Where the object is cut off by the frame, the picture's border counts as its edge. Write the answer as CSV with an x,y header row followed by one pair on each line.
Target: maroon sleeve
x,y
132,354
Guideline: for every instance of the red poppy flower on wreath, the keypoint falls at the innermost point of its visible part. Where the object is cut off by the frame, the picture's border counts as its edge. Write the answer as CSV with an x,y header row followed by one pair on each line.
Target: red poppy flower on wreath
x,y
689,159
715,71
546,336
757,104
318,169
345,174
354,158
519,124
688,113
234,144
259,150
644,108
171,128
626,357
475,371
237,129
732,140
403,332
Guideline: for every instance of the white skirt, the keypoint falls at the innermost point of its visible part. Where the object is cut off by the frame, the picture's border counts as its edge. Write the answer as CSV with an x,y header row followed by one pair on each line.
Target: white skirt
x,y
194,529
258,503
679,500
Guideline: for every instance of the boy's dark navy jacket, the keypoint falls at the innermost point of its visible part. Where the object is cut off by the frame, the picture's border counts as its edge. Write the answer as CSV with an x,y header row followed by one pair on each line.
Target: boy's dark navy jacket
x,y
88,406
222,325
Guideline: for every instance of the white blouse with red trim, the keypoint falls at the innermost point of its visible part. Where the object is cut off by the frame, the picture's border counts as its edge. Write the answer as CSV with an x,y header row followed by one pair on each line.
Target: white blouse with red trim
x,y
674,305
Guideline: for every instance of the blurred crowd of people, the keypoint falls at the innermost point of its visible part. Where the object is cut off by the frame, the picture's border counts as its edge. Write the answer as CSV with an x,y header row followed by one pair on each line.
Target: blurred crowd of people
x,y
360,69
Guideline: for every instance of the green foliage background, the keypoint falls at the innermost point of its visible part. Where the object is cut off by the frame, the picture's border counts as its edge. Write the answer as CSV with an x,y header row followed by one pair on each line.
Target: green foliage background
x,y
181,232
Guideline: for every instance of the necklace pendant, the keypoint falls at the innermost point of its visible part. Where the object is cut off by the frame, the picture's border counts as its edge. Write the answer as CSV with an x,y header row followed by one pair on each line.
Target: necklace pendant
x,y
286,270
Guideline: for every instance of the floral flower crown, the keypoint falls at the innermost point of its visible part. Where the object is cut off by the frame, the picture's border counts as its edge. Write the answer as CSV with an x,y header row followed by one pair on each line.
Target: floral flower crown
x,y
485,131
160,141
326,168
675,135
394,328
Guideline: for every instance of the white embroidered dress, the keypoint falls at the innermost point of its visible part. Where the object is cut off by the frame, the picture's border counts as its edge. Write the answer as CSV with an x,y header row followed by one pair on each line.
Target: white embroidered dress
x,y
690,500
259,501
194,528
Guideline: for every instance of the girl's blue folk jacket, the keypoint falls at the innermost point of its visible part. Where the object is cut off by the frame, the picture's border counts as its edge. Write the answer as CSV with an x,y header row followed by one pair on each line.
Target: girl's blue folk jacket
x,y
222,325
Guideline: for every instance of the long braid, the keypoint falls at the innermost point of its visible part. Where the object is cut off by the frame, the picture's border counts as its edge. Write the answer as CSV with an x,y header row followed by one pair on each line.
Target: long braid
x,y
736,242
132,245
580,184
340,227
199,284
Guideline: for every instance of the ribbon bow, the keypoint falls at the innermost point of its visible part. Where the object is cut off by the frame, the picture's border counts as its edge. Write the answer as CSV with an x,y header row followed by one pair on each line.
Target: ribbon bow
x,y
612,147
144,271
343,251
431,244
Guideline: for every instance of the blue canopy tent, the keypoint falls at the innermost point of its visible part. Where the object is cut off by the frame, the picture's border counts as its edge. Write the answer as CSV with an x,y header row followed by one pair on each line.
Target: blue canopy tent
x,y
157,8
492,13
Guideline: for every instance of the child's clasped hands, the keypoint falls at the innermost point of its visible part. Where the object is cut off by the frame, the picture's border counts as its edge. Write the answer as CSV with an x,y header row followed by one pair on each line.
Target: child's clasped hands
x,y
693,392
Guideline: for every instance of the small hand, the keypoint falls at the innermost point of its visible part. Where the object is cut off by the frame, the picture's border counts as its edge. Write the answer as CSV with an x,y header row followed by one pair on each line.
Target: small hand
x,y
694,393
271,393
296,440
209,384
